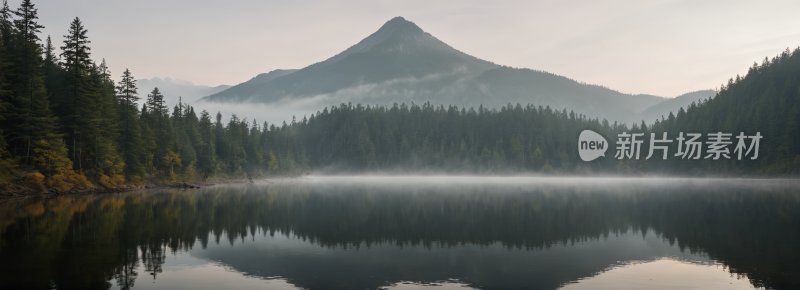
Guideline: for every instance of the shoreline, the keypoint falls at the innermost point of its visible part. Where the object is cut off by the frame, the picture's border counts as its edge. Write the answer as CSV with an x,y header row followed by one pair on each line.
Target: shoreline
x,y
16,191
25,192
21,191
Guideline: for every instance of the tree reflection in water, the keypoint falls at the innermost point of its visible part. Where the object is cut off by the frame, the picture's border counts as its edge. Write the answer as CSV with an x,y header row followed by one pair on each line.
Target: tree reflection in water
x,y
90,242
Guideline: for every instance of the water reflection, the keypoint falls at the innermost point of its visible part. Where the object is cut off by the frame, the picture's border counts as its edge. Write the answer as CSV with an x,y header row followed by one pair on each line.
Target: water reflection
x,y
664,274
340,233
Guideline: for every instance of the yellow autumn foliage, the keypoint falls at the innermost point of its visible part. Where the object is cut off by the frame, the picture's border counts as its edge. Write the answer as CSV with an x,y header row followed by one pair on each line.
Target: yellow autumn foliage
x,y
34,180
59,182
78,180
111,181
137,180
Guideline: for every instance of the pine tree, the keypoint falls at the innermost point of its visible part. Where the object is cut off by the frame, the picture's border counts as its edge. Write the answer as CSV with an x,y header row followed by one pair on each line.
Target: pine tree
x,y
33,121
127,98
6,107
155,102
6,24
107,100
105,129
207,156
52,71
78,107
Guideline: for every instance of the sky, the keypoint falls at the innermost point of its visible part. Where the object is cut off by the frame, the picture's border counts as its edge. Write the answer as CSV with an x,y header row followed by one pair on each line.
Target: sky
x,y
663,48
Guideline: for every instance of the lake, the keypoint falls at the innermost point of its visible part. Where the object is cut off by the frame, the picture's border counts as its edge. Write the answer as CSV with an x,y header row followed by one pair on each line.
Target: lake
x,y
373,232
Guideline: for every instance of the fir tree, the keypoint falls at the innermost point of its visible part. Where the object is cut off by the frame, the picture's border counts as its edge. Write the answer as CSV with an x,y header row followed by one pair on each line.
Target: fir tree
x,y
33,121
127,97
78,105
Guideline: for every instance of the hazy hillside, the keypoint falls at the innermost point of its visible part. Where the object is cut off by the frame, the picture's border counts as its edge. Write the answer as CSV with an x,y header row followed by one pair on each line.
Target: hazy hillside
x,y
766,102
506,85
174,88
672,105
400,63
243,91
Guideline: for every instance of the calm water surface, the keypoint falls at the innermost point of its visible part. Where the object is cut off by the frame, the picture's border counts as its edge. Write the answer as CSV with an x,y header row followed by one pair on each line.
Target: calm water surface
x,y
411,233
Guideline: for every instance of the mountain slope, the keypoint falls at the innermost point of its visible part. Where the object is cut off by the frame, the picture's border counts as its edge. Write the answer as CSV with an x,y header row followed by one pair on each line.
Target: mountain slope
x,y
243,91
508,85
673,105
172,89
399,49
400,63
764,103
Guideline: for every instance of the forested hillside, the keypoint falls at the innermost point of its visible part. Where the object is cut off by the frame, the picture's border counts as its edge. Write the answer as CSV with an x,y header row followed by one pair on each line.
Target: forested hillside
x,y
401,63
64,124
536,139
412,138
765,100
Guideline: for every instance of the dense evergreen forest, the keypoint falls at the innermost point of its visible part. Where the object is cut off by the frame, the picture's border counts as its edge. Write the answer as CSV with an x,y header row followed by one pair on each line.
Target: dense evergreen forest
x,y
65,123
519,138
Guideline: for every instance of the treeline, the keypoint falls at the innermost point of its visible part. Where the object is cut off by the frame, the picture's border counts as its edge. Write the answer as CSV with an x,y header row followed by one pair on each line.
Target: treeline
x,y
66,122
427,137
766,100
536,139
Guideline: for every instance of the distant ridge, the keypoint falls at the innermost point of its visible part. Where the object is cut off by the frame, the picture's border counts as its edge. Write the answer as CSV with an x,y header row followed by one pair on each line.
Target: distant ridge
x,y
173,89
243,91
401,63
673,105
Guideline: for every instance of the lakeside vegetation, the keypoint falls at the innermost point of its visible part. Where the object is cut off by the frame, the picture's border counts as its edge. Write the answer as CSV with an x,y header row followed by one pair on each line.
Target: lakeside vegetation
x,y
65,124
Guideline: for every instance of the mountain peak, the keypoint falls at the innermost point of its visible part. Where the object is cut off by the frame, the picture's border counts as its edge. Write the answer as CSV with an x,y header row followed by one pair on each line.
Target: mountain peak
x,y
398,27
395,33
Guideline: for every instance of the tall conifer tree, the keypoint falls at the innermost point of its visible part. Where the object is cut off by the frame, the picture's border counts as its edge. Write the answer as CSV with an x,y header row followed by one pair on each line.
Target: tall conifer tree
x,y
33,121
127,97
79,102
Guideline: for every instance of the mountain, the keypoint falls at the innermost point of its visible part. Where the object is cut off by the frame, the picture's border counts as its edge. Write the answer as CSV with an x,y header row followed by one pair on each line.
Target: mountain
x,y
512,85
172,89
241,92
401,63
764,105
672,105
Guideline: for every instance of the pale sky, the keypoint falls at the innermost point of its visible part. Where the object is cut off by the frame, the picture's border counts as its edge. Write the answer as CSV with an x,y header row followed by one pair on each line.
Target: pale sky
x,y
663,48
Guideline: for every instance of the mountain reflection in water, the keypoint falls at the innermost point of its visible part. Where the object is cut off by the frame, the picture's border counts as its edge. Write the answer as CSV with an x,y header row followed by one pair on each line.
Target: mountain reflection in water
x,y
372,232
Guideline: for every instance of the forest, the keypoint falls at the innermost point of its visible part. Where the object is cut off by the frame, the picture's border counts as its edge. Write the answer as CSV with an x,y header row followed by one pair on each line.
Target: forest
x,y
65,123
529,139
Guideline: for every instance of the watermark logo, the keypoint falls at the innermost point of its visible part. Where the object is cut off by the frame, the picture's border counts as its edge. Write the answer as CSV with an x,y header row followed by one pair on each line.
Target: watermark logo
x,y
591,145
689,146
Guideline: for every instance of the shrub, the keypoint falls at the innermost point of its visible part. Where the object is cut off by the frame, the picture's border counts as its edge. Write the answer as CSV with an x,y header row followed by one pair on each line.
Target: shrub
x,y
137,180
111,181
5,170
189,172
52,158
34,180
78,180
117,179
59,183
104,180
